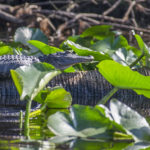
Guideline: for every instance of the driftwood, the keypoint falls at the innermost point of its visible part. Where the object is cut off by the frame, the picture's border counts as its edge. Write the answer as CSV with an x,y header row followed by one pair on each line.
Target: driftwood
x,y
67,18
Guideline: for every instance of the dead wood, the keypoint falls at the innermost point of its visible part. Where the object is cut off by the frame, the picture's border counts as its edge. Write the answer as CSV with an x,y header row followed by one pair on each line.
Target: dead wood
x,y
10,18
61,18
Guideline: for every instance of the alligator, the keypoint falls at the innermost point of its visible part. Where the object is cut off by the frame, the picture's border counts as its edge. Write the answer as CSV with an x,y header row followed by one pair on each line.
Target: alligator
x,y
8,94
86,87
10,105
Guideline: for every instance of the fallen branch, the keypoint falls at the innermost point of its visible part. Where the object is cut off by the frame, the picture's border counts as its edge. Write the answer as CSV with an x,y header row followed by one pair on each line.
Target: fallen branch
x,y
113,7
7,17
126,16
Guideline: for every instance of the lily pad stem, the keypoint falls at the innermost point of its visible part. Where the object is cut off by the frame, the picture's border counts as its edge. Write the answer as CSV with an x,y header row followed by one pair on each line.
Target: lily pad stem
x,y
27,118
108,96
21,121
137,60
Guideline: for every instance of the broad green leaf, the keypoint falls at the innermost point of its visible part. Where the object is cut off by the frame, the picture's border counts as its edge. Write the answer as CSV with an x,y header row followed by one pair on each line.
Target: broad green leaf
x,y
120,42
135,50
31,79
124,78
84,121
86,41
99,32
24,34
53,111
104,46
84,51
58,98
5,50
142,45
61,124
87,117
17,80
41,96
46,49
117,48
110,44
124,57
134,123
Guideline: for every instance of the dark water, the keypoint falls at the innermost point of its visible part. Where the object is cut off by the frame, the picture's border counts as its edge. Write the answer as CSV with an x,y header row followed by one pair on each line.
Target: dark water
x,y
11,138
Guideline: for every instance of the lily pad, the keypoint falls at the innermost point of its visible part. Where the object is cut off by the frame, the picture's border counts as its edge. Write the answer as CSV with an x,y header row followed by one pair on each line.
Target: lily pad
x,y
85,122
142,45
84,51
46,49
124,78
134,123
56,97
99,32
124,57
29,80
6,50
24,34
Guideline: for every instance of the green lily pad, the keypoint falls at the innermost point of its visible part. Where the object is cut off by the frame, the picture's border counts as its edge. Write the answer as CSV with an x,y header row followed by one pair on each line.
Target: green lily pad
x,y
5,50
124,56
24,34
84,51
29,80
61,125
99,32
110,43
134,123
58,98
142,45
124,78
85,122
46,49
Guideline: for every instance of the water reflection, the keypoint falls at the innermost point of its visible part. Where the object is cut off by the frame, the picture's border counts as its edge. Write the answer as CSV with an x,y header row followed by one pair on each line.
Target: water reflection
x,y
11,138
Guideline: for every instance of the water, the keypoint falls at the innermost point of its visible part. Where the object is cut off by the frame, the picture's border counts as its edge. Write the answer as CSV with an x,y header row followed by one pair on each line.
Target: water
x,y
13,139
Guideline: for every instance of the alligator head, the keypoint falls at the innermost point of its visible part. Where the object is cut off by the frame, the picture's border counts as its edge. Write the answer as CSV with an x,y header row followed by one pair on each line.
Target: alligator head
x,y
63,60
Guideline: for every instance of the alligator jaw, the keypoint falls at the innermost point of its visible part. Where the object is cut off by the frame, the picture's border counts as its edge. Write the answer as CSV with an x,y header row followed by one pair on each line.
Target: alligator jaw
x,y
63,60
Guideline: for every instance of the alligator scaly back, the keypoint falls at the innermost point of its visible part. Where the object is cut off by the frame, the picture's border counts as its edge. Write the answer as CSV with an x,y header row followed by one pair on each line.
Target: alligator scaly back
x,y
8,94
8,62
61,60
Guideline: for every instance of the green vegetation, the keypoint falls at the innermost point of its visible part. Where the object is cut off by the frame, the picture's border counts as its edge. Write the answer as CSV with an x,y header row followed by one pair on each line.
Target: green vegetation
x,y
114,58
